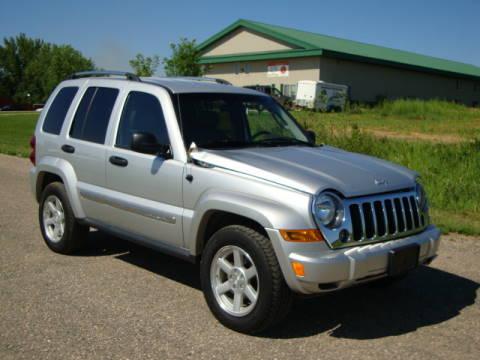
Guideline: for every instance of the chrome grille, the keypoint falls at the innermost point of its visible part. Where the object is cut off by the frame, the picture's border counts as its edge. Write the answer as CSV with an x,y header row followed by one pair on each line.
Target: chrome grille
x,y
383,218
378,218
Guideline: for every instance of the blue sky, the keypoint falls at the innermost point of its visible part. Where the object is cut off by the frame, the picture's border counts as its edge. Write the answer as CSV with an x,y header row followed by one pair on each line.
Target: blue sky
x,y
112,32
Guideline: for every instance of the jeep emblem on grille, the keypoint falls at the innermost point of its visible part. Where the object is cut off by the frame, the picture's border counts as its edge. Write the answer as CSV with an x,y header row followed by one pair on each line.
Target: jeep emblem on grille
x,y
380,182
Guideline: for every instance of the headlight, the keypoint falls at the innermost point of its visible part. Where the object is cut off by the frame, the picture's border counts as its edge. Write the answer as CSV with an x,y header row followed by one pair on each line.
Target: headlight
x,y
328,210
421,196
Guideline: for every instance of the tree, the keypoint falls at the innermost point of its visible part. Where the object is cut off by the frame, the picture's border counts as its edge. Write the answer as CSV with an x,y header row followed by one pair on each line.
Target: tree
x,y
31,68
184,60
144,65
53,64
15,56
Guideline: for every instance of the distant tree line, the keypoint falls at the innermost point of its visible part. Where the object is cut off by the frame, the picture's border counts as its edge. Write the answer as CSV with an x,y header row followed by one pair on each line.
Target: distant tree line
x,y
184,61
31,68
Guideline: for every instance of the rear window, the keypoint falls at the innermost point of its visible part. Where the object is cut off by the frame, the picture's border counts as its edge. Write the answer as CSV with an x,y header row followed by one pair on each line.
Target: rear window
x,y
93,113
58,110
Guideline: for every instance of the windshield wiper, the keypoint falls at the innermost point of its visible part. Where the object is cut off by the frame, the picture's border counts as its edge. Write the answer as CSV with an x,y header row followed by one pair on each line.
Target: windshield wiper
x,y
224,143
282,141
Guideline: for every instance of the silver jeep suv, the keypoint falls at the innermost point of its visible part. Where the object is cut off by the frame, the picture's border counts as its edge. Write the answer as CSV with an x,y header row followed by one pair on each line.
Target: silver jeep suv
x,y
225,176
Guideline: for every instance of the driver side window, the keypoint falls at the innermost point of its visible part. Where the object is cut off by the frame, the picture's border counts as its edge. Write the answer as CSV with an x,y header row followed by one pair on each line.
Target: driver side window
x,y
142,112
263,122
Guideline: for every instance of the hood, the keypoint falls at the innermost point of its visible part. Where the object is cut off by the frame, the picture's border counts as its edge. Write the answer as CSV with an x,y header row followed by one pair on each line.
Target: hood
x,y
312,170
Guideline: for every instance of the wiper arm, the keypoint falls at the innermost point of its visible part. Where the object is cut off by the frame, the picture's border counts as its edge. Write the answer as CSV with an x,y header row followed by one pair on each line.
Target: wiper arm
x,y
282,141
223,143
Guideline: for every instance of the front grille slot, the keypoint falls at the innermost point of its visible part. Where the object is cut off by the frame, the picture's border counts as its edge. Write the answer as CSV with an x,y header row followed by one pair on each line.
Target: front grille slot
x,y
392,227
385,217
381,218
416,218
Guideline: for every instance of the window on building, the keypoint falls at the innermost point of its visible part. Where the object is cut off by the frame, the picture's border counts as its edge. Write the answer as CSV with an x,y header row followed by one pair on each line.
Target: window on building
x,y
91,119
58,110
142,113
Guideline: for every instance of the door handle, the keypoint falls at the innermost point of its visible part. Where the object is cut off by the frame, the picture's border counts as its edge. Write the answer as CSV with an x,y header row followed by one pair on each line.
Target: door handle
x,y
118,161
68,149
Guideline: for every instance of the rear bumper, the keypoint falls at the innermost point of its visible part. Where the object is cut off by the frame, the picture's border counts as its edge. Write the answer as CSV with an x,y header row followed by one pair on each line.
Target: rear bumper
x,y
329,270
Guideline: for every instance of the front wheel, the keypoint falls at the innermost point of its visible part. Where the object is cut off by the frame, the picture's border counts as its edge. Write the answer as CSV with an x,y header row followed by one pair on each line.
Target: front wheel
x,y
242,281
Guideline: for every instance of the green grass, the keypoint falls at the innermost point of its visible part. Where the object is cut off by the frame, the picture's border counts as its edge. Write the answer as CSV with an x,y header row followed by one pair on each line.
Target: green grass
x,y
450,172
433,118
16,129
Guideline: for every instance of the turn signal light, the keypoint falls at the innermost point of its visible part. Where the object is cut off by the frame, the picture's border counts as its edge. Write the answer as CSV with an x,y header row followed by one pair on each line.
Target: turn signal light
x,y
310,235
298,268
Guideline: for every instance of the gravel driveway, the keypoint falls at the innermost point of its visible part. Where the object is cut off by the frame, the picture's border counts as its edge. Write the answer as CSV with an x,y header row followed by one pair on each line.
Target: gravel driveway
x,y
118,300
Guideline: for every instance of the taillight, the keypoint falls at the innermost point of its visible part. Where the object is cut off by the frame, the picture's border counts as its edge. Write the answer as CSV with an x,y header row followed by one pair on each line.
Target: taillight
x,y
33,142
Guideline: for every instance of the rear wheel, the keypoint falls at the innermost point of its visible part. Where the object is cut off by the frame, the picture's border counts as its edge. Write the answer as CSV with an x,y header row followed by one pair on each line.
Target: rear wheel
x,y
60,230
242,281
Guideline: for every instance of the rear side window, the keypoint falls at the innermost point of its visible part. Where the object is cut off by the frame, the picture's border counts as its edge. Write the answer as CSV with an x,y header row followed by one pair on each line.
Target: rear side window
x,y
91,120
142,113
58,110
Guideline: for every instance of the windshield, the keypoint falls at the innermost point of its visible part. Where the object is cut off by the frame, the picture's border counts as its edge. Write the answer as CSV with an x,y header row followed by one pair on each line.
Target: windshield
x,y
237,120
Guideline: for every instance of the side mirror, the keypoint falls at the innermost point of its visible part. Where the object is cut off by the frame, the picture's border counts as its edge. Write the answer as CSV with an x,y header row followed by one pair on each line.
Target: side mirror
x,y
146,143
311,136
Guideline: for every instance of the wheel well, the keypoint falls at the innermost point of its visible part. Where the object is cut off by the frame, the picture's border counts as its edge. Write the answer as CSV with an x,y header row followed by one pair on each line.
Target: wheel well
x,y
45,178
217,219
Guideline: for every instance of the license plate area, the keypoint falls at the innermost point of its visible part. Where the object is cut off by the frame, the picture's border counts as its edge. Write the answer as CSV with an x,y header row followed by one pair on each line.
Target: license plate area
x,y
403,259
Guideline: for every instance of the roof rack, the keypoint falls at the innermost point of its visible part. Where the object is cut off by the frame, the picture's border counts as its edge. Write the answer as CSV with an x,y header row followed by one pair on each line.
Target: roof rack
x,y
83,74
204,79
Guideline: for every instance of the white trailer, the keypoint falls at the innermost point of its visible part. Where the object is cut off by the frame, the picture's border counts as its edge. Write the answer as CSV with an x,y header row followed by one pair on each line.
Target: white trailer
x,y
319,95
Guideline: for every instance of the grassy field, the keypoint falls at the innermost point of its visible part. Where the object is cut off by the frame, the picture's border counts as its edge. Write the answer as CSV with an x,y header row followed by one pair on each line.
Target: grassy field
x,y
16,129
435,120
439,140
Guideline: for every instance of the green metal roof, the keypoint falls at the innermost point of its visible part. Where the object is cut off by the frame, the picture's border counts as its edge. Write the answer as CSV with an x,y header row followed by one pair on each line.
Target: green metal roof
x,y
311,44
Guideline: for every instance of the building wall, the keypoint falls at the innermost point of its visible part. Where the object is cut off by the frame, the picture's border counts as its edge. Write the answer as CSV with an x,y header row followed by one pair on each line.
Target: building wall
x,y
369,81
255,72
244,41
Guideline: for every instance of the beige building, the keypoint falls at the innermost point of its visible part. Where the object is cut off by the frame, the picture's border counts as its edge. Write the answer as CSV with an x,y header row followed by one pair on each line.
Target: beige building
x,y
252,53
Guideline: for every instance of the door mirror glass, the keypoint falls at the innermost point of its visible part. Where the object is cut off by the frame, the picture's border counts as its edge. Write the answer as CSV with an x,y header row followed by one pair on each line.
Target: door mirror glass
x,y
146,143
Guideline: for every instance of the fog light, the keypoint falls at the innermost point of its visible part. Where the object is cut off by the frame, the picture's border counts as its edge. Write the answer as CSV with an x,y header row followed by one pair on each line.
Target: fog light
x,y
298,268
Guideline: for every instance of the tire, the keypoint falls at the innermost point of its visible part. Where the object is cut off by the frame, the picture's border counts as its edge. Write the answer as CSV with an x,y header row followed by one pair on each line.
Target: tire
x,y
73,235
274,298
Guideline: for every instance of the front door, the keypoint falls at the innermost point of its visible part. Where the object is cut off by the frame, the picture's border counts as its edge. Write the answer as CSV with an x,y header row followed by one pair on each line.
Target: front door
x,y
144,190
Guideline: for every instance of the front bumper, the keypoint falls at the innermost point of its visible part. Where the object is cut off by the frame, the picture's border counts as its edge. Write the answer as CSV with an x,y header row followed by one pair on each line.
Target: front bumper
x,y
328,270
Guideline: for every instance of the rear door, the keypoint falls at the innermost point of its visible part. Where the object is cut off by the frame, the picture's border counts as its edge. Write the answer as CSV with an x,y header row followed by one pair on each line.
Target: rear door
x,y
144,190
84,145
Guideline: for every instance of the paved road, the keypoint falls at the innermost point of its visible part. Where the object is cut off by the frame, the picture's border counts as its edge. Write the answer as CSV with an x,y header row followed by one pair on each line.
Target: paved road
x,y
117,300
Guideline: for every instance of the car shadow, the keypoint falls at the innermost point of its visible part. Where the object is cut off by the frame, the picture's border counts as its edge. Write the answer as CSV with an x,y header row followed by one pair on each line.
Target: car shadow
x,y
427,297
100,243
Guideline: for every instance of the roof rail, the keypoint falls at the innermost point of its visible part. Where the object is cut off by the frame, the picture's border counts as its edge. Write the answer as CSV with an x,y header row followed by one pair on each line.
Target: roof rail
x,y
204,79
83,74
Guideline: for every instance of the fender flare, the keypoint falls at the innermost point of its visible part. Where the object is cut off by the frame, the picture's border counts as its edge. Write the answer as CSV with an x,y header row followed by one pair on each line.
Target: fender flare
x,y
266,212
65,171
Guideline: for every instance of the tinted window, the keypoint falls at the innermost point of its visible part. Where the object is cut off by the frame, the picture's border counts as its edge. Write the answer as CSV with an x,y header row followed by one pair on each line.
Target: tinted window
x,y
58,110
142,113
91,120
